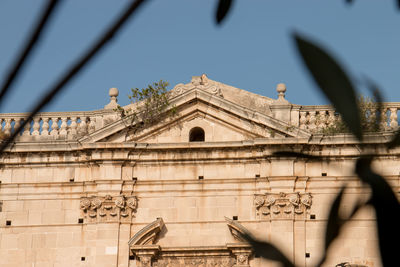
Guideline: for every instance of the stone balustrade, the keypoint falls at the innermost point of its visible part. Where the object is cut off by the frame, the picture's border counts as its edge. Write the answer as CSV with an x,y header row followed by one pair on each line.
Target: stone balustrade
x,y
317,118
56,125
73,125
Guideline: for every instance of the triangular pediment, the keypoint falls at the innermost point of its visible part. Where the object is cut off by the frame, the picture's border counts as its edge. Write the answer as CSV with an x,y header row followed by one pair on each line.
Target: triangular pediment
x,y
221,120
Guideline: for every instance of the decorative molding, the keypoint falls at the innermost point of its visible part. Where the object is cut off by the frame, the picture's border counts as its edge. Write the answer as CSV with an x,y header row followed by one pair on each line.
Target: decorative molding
x,y
282,205
108,207
148,235
212,261
200,82
148,254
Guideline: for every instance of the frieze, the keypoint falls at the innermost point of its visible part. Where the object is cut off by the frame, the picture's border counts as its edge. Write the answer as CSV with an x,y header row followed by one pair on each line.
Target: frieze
x,y
282,205
109,207
196,262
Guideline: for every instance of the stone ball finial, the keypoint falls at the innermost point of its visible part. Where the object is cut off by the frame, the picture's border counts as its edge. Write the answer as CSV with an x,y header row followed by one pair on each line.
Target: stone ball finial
x,y
113,92
281,89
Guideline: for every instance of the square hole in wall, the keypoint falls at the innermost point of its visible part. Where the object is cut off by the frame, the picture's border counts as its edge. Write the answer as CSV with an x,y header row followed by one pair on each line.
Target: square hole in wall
x,y
235,218
312,216
72,179
201,177
257,176
80,220
324,174
131,257
8,222
83,258
134,178
307,255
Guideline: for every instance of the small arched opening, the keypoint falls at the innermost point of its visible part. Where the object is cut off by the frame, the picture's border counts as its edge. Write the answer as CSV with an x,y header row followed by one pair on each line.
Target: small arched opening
x,y
196,134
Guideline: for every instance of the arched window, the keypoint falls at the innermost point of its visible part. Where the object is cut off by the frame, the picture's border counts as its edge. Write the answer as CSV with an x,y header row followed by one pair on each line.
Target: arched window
x,y
196,134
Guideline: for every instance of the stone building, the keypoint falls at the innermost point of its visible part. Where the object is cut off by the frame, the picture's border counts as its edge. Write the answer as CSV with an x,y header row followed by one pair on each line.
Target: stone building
x,y
84,189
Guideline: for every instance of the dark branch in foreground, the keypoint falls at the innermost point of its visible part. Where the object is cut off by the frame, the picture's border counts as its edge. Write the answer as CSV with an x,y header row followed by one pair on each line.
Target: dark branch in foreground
x,y
69,74
33,40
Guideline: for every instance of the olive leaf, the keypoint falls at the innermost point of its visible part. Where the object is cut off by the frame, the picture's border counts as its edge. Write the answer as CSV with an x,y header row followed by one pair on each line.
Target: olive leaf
x,y
387,210
333,81
335,223
222,10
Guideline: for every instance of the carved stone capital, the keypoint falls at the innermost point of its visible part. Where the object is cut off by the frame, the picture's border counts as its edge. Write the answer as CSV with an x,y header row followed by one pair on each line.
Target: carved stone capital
x,y
242,253
108,207
145,255
282,205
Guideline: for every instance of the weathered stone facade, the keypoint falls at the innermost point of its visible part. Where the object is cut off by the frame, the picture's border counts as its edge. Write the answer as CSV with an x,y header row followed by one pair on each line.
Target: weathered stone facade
x,y
81,189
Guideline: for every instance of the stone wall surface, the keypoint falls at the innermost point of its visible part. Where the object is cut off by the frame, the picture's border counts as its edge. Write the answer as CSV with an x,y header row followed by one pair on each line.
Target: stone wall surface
x,y
117,198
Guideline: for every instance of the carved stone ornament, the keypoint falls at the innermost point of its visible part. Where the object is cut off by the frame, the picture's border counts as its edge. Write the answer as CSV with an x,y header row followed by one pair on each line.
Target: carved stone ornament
x,y
201,82
282,205
109,207
145,261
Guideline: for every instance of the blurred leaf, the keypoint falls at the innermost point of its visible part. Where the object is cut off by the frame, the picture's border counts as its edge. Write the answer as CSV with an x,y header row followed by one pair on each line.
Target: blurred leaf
x,y
333,81
293,154
357,207
335,222
267,250
222,10
387,209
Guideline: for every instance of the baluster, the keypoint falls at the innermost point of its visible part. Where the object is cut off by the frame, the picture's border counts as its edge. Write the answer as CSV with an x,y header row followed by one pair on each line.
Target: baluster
x,y
92,125
7,127
17,124
311,121
36,126
303,120
45,126
54,126
27,128
64,125
384,124
82,129
324,117
318,120
73,126
372,116
393,118
331,118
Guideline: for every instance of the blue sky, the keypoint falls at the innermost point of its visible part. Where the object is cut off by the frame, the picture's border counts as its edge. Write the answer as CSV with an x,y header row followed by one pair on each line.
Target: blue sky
x,y
175,39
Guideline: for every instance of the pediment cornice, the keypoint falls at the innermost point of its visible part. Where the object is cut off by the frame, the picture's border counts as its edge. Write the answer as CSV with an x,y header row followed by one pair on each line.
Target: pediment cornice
x,y
198,95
